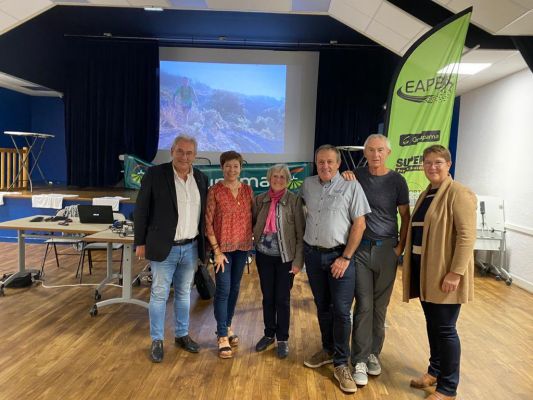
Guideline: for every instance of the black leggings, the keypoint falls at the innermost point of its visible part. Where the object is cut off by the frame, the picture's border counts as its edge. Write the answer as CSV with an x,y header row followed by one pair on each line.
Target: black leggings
x,y
276,283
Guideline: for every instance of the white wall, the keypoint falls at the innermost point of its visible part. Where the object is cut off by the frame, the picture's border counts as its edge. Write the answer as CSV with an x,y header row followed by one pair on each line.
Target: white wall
x,y
495,158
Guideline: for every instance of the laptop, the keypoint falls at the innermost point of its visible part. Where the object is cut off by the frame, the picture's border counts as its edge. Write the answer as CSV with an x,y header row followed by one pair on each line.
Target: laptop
x,y
95,214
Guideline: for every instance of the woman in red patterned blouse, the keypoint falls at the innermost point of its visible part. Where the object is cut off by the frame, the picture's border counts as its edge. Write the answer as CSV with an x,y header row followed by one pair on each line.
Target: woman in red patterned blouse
x,y
228,219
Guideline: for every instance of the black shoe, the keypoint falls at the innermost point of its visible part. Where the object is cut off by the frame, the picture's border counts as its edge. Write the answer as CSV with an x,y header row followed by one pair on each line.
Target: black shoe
x,y
156,352
264,343
186,343
283,349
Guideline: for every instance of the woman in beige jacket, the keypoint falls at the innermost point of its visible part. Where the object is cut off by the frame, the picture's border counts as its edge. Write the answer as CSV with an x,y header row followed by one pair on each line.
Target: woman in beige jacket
x,y
438,267
279,226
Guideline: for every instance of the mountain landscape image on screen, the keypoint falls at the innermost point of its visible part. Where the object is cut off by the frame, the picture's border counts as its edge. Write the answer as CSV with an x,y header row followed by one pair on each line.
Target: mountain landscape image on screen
x,y
220,119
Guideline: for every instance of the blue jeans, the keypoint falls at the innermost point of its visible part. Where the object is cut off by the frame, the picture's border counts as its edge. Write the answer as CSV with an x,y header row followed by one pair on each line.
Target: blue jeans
x,y
333,300
178,268
227,292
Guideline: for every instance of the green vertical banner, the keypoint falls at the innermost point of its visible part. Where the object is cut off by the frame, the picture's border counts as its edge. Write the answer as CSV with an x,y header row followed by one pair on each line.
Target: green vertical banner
x,y
421,98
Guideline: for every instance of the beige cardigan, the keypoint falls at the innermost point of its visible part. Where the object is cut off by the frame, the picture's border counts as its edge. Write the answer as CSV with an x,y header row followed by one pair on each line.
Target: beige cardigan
x,y
447,245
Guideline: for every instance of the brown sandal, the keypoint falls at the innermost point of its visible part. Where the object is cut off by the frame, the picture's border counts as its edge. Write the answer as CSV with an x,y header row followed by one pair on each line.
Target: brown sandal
x,y
224,348
233,338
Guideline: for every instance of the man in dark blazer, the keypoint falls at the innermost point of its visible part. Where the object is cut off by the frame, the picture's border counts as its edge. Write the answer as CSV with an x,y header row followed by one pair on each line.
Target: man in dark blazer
x,y
169,231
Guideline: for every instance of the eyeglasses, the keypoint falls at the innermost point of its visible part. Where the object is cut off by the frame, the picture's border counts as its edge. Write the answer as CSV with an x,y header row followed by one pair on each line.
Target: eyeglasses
x,y
436,164
188,154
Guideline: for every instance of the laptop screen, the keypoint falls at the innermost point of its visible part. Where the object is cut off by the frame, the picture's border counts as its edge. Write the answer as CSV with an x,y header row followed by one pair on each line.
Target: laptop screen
x,y
95,214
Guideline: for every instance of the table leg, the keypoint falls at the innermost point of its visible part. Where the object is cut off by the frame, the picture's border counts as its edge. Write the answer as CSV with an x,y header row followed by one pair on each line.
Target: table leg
x,y
126,285
110,276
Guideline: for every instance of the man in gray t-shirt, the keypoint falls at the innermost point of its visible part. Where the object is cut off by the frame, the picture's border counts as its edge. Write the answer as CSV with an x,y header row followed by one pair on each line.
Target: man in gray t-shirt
x,y
377,255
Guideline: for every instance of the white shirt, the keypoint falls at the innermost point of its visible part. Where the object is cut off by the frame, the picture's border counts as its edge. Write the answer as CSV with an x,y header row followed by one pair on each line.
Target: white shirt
x,y
188,200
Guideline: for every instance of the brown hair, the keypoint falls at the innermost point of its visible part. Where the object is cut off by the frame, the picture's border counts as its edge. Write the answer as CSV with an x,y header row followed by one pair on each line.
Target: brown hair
x,y
329,147
230,155
439,150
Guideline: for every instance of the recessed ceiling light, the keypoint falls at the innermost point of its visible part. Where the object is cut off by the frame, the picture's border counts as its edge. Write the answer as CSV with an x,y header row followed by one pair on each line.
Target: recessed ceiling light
x,y
464,68
152,8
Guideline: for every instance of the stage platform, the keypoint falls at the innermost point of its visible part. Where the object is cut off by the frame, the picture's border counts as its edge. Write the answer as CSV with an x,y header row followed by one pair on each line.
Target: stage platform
x,y
20,205
84,194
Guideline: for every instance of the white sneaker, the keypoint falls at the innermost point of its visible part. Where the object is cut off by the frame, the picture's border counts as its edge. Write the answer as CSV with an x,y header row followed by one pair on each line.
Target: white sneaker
x,y
359,375
374,367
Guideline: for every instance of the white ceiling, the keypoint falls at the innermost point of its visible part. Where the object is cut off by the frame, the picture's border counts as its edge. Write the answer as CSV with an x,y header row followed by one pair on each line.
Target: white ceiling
x,y
499,17
379,20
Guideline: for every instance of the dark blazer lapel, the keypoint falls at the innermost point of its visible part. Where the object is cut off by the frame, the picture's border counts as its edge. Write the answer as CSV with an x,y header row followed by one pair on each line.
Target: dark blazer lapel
x,y
199,181
169,172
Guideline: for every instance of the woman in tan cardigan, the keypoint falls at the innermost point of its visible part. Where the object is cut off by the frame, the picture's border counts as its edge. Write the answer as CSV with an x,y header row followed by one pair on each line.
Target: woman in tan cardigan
x,y
438,267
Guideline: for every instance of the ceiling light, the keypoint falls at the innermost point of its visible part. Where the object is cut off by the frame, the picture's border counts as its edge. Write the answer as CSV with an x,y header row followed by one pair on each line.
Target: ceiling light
x,y
464,68
152,8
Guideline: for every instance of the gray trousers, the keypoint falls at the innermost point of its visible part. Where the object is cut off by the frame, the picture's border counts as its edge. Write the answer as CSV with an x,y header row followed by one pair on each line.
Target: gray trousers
x,y
375,272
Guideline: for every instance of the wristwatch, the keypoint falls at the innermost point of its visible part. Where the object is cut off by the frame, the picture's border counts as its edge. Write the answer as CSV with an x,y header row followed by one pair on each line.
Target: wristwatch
x,y
346,258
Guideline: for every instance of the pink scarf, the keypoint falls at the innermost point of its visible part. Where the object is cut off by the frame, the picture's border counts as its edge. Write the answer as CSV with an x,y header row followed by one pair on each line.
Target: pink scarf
x,y
270,226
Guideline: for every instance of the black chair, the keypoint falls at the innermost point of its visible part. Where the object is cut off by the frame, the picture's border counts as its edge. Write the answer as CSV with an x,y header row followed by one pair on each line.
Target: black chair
x,y
91,247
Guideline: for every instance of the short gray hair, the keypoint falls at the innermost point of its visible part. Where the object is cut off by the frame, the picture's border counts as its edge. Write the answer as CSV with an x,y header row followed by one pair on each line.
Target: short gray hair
x,y
378,136
185,138
279,167
331,148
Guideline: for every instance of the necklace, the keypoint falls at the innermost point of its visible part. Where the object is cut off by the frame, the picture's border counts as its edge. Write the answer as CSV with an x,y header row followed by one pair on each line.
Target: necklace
x,y
232,186
234,189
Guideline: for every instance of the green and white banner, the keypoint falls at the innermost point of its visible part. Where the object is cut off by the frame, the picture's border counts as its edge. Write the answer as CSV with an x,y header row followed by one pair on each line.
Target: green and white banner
x,y
252,174
421,99
255,175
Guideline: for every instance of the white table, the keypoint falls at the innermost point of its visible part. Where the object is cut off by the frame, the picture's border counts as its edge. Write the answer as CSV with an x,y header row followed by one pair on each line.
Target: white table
x,y
493,241
347,156
32,139
23,225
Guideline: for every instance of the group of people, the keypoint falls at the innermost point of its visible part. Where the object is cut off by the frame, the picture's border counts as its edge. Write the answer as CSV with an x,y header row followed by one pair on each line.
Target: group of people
x,y
343,227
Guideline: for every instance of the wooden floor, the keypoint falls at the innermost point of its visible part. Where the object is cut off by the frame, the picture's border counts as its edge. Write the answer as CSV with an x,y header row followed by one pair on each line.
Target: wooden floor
x,y
51,348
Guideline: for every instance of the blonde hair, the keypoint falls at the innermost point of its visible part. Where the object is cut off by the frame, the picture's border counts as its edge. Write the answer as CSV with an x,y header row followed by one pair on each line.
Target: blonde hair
x,y
279,167
439,150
